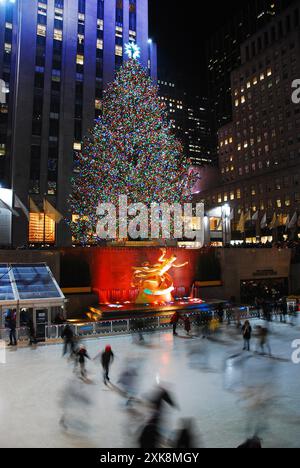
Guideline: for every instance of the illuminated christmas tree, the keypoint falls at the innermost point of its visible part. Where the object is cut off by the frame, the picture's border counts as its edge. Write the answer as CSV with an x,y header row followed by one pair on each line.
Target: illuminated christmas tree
x,y
130,151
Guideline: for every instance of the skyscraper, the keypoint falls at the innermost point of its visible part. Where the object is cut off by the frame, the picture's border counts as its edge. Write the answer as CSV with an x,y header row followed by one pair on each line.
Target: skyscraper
x,y
224,54
56,57
189,117
259,149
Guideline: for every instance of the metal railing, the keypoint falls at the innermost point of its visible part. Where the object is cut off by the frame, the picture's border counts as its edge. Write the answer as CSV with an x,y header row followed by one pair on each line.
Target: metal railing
x,y
136,325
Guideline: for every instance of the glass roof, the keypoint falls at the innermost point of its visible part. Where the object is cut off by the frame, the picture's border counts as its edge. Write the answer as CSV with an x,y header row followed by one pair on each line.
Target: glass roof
x,y
6,291
27,282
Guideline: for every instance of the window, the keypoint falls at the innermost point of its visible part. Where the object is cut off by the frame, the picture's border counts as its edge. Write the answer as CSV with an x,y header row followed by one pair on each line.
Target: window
x,y
98,104
7,48
58,35
100,44
119,51
80,59
41,30
41,228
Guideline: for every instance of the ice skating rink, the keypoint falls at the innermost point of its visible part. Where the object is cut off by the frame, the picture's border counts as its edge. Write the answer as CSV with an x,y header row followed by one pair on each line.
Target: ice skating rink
x,y
230,394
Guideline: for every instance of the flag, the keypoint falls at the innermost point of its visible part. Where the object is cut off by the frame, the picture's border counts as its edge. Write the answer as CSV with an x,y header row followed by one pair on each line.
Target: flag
x,y
263,223
281,220
287,223
274,223
219,224
248,216
293,221
4,206
241,225
33,207
255,216
19,204
50,211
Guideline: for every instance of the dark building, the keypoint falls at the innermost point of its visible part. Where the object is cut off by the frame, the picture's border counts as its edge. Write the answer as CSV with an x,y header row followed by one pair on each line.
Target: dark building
x,y
259,149
56,57
224,55
189,116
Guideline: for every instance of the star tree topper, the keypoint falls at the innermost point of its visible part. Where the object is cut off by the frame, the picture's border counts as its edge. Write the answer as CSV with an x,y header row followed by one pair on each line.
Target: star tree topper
x,y
133,50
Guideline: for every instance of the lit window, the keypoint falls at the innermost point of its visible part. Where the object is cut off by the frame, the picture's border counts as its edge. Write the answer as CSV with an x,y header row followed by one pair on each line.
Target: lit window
x,y
59,14
100,44
269,72
81,17
100,24
119,51
98,104
262,76
2,149
80,59
237,102
243,100
77,146
58,35
7,48
238,194
248,85
8,25
41,228
41,30
278,203
80,39
255,81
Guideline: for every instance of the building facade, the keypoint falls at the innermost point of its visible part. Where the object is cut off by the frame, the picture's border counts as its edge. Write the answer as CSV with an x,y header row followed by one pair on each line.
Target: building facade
x,y
223,53
189,116
259,149
56,57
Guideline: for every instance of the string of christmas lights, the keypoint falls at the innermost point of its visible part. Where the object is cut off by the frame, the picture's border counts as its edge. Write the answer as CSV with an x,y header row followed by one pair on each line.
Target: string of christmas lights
x,y
130,151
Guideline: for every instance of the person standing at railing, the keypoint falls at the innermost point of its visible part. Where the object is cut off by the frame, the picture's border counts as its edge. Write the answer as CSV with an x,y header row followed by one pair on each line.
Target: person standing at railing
x,y
32,333
187,325
174,321
12,325
68,337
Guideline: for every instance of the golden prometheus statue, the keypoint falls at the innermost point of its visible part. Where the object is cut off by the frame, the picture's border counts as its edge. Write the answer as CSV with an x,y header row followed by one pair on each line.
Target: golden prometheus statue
x,y
154,282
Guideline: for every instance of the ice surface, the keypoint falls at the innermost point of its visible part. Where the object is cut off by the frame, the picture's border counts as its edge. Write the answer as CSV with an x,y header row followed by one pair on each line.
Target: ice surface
x,y
230,395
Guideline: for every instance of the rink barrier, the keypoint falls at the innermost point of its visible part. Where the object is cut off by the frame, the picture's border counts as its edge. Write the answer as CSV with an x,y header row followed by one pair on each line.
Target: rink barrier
x,y
136,325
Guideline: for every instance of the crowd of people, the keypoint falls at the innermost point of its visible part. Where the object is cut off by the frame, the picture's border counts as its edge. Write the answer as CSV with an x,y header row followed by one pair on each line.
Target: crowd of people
x,y
208,325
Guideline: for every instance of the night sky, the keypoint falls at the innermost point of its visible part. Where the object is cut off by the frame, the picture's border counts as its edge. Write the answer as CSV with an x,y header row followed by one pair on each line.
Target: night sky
x,y
180,30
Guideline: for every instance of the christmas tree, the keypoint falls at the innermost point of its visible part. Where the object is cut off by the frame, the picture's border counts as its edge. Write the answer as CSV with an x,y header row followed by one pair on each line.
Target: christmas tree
x,y
130,151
